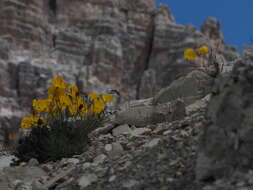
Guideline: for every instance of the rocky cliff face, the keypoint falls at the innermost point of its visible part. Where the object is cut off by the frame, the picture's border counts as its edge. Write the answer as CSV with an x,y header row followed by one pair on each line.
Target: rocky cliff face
x,y
127,45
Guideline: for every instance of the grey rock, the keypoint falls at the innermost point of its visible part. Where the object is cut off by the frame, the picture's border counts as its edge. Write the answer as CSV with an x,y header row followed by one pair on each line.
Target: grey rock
x,y
26,174
194,86
99,159
73,161
226,140
116,150
144,115
140,131
86,180
122,129
33,162
152,143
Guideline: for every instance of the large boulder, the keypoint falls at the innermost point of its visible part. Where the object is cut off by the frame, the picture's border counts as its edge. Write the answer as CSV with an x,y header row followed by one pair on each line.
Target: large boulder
x,y
192,87
226,145
151,114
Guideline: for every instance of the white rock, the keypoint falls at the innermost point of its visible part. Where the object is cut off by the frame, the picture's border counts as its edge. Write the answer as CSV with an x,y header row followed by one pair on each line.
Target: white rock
x,y
5,161
152,143
86,165
116,150
112,178
99,159
108,147
140,131
73,161
33,162
130,183
86,180
122,129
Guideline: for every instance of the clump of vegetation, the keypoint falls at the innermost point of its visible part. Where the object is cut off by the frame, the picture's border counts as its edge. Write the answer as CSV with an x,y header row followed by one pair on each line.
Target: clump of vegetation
x,y
59,125
206,59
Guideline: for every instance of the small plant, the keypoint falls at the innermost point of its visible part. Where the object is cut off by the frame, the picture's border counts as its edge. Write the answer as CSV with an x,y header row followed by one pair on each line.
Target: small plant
x,y
59,125
211,67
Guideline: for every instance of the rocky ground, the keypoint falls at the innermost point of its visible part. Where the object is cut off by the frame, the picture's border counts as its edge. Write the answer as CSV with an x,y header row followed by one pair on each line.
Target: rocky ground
x,y
157,156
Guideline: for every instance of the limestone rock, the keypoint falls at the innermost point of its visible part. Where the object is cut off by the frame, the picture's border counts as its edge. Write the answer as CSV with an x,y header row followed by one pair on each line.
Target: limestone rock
x,y
87,180
122,129
194,86
144,115
226,140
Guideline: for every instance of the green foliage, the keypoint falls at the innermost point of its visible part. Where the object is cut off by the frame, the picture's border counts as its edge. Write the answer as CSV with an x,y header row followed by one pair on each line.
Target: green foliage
x,y
63,139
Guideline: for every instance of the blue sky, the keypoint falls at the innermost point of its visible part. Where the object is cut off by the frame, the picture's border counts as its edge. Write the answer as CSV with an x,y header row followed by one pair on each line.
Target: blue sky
x,y
235,16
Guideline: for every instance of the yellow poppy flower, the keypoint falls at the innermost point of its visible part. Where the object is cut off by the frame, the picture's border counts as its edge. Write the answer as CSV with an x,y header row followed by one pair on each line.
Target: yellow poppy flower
x,y
26,123
73,90
64,102
55,91
93,96
97,107
203,50
42,105
73,109
58,82
190,54
107,98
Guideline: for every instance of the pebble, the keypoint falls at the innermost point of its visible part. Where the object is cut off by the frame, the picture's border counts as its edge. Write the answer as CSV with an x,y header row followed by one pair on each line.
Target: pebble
x,y
122,129
87,180
152,143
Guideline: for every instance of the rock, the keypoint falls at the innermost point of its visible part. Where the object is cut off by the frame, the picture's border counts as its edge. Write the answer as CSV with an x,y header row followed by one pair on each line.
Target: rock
x,y
199,105
115,150
22,176
112,178
5,161
130,184
226,140
140,131
86,165
152,143
144,115
86,180
108,147
99,159
73,161
195,86
122,129
33,162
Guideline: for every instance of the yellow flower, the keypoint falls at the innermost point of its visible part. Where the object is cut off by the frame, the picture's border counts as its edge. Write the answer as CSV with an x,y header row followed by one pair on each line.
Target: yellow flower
x,y
42,105
77,106
73,90
58,82
32,121
83,110
65,101
55,91
73,109
97,107
26,123
203,50
93,96
107,98
190,54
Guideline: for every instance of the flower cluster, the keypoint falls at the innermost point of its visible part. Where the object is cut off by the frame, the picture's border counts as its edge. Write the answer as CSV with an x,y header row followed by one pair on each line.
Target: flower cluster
x,y
64,100
191,54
